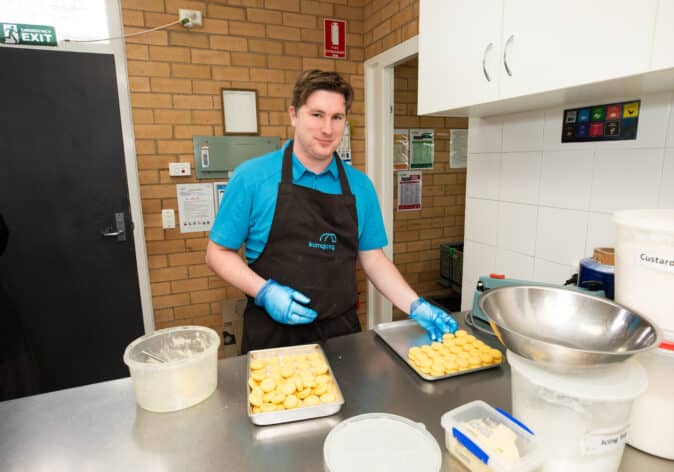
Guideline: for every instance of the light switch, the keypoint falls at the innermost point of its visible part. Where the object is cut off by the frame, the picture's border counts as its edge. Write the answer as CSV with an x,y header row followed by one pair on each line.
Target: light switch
x,y
168,219
179,169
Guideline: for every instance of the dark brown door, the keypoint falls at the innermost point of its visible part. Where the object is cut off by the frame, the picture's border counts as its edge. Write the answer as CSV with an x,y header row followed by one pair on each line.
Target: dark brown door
x,y
62,185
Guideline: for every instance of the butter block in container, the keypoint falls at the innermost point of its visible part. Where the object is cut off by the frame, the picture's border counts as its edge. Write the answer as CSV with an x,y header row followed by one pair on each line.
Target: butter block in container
x,y
291,384
486,439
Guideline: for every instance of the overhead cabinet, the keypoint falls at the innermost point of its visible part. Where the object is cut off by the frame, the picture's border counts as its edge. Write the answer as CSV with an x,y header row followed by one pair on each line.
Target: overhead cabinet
x,y
475,54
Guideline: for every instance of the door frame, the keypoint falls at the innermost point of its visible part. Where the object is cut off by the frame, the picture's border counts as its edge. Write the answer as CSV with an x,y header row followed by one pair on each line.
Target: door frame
x,y
117,48
379,112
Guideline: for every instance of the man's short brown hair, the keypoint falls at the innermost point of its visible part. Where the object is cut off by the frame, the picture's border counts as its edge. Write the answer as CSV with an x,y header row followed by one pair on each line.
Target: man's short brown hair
x,y
312,80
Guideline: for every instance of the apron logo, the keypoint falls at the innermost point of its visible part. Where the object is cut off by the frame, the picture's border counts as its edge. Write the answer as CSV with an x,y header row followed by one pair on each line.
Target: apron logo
x,y
326,242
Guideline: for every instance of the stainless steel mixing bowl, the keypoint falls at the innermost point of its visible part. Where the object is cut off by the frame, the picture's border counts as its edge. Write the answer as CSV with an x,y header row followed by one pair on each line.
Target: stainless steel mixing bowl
x,y
565,328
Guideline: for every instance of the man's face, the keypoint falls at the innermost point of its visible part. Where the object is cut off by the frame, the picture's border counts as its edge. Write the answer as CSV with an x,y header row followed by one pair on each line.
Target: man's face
x,y
319,125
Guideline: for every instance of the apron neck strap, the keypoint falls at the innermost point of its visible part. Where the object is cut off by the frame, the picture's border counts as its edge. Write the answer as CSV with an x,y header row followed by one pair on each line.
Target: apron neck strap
x,y
287,171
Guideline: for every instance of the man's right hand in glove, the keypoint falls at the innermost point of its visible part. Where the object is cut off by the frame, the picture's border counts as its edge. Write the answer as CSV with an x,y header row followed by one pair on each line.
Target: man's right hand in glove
x,y
285,305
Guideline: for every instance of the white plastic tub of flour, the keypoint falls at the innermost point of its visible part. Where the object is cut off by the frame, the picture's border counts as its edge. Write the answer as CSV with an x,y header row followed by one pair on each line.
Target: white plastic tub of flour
x,y
173,368
652,428
581,417
644,263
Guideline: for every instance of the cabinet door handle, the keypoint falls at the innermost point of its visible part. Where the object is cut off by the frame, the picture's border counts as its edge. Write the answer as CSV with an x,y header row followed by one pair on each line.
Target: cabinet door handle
x,y
505,54
484,59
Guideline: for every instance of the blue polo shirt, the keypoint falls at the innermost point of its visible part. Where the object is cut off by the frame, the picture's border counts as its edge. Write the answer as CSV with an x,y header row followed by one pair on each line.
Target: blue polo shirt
x,y
248,205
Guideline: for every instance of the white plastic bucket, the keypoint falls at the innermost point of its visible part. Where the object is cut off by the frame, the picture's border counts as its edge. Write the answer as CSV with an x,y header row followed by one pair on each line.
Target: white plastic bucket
x,y
644,263
582,416
652,428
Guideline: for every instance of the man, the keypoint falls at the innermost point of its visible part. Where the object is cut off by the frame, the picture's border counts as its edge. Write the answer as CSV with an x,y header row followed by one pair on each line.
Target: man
x,y
305,218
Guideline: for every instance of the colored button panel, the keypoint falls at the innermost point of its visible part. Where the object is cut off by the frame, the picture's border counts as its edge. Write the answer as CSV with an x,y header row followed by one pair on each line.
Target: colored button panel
x,y
584,115
596,129
631,110
612,128
597,114
581,130
571,116
613,112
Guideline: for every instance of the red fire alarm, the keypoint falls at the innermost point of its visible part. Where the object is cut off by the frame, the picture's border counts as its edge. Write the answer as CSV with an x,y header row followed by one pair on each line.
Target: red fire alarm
x,y
334,35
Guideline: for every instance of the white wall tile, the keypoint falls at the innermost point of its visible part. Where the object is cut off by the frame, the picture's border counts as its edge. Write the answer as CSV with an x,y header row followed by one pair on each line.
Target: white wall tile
x,y
520,176
523,132
552,132
601,232
514,265
652,127
570,192
517,227
478,259
481,218
670,128
560,235
485,134
482,178
667,186
566,179
626,178
551,272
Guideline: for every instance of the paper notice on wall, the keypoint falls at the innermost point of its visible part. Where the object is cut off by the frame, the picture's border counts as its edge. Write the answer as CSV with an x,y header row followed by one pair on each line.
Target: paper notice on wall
x,y
195,207
458,148
422,148
401,149
409,191
344,149
218,193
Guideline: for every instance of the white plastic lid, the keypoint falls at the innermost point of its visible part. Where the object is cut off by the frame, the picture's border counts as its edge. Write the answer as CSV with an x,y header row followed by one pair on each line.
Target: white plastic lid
x,y
381,442
621,381
657,220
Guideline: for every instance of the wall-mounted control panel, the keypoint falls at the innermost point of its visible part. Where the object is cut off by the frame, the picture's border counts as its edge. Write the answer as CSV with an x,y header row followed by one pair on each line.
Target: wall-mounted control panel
x,y
608,122
216,156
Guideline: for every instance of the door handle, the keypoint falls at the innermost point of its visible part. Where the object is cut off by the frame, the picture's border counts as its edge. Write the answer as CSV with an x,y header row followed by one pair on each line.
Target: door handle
x,y
505,55
484,59
119,231
112,234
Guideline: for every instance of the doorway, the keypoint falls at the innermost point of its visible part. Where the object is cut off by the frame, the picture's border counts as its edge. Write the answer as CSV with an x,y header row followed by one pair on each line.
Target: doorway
x,y
69,269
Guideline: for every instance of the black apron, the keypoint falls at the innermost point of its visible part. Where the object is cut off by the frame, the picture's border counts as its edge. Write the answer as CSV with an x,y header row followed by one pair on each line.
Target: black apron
x,y
312,248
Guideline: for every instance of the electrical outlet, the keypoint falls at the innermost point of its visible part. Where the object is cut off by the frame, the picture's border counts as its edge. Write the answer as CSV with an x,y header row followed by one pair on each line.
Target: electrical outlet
x,y
193,15
179,169
168,219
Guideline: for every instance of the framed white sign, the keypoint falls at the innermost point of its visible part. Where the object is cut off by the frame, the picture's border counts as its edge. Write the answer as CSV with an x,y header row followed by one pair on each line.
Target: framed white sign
x,y
239,109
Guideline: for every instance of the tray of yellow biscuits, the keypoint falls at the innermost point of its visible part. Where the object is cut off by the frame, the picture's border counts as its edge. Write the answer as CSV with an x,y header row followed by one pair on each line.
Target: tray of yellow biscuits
x,y
291,384
457,354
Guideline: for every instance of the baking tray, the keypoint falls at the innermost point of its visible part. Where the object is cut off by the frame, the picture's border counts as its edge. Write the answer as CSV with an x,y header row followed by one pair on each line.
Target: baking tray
x,y
402,335
296,414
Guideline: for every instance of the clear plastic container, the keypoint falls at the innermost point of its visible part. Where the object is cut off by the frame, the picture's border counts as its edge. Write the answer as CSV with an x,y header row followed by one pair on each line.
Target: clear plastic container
x,y
381,442
582,416
484,438
188,373
652,428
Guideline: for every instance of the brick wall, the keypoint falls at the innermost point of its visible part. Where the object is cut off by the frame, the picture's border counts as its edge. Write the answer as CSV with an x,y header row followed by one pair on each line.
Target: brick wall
x,y
417,235
388,23
175,78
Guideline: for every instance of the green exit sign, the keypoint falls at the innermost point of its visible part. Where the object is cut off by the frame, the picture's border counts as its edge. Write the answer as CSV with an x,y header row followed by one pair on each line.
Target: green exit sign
x,y
30,35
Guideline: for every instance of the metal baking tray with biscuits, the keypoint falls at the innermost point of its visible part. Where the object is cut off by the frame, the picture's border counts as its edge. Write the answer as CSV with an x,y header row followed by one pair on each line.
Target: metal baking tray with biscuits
x,y
457,354
290,384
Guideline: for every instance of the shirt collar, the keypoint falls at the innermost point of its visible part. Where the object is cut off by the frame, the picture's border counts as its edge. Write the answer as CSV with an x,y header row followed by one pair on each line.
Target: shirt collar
x,y
299,170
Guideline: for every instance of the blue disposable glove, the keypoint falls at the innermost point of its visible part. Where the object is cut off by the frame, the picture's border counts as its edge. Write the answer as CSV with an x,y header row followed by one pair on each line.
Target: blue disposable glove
x,y
432,319
284,304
